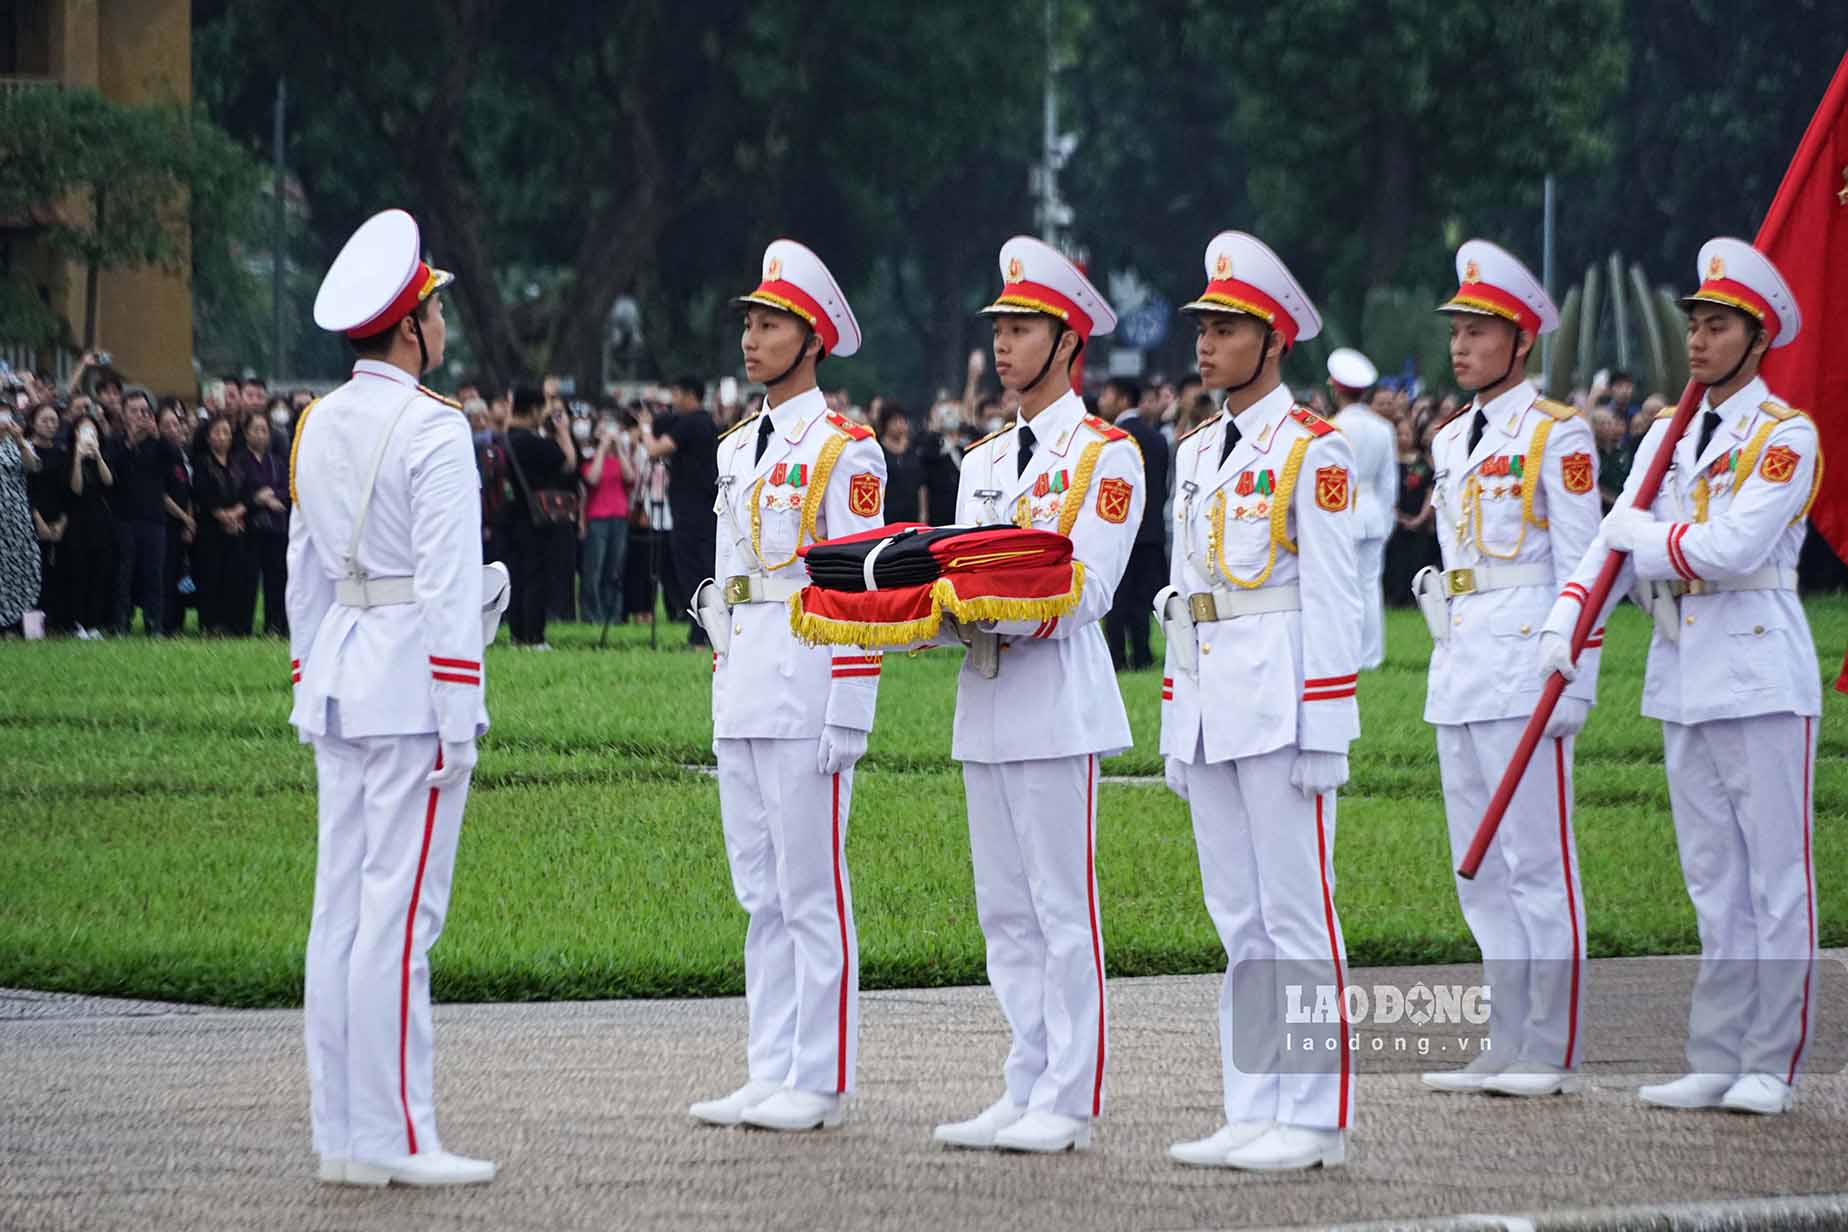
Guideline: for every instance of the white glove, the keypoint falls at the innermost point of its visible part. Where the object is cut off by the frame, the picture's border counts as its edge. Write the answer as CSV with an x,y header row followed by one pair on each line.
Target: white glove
x,y
456,762
1567,718
496,590
1556,656
841,747
1316,773
1625,526
1175,776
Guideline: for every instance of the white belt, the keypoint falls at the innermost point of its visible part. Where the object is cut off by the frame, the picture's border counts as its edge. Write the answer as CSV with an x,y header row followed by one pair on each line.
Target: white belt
x,y
1768,578
1475,581
742,588
1221,603
374,592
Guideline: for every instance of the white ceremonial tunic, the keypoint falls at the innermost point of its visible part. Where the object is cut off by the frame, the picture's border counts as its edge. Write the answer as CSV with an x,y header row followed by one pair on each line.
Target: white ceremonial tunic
x,y
1270,525
1525,498
376,690
820,476
1738,690
1030,739
1376,483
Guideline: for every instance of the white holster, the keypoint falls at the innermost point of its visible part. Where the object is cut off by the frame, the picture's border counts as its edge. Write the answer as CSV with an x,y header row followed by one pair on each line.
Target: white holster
x,y
713,613
1177,627
496,590
1428,590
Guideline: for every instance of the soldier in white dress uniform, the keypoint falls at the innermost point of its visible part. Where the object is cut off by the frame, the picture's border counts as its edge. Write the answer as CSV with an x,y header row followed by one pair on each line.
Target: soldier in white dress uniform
x,y
789,720
1263,622
1734,680
1037,706
1376,487
385,598
1516,494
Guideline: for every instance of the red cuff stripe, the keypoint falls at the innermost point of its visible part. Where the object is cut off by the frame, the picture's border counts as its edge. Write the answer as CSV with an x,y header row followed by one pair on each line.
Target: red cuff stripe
x,y
456,678
294,663
872,658
296,678
1328,695
848,672
1675,556
468,665
1574,591
1324,682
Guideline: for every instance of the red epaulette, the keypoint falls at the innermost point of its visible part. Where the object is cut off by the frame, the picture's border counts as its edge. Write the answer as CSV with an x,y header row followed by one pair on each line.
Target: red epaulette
x,y
1314,423
846,426
446,401
1199,427
1108,431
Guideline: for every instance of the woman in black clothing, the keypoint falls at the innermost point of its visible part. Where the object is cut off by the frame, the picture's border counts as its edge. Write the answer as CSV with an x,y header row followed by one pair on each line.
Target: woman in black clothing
x,y
220,568
181,532
48,489
540,543
1414,538
263,487
90,536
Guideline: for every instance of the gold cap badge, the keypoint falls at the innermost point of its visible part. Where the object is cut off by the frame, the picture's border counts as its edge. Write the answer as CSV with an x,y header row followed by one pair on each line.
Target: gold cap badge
x,y
1472,272
1015,271
1716,268
1222,268
774,270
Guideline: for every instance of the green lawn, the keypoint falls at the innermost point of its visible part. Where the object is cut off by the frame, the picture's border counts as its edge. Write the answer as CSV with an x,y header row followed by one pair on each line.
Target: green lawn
x,y
158,826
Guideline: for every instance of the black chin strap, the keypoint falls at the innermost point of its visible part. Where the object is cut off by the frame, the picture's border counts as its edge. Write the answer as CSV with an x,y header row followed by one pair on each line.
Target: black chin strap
x,y
1743,356
1258,370
808,331
423,352
1058,332
1514,357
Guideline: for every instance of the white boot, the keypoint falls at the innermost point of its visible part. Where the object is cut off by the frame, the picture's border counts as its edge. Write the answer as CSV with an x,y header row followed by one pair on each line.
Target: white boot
x,y
1045,1133
1688,1091
428,1168
1470,1078
1532,1078
794,1111
333,1170
730,1109
1211,1152
1760,1093
1288,1147
978,1133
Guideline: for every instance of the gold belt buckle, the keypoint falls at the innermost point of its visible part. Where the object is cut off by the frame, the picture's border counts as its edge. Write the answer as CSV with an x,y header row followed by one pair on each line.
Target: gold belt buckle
x,y
1202,607
1459,582
738,589
1697,587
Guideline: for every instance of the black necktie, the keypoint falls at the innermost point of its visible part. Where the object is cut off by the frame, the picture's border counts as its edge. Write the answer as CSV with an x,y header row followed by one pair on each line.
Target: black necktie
x,y
763,438
1709,424
1232,438
1026,449
1476,425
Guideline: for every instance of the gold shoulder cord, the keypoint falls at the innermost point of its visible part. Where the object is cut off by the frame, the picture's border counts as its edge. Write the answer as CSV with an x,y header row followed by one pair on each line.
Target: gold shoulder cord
x,y
1074,495
1279,523
1748,462
1531,466
295,446
811,505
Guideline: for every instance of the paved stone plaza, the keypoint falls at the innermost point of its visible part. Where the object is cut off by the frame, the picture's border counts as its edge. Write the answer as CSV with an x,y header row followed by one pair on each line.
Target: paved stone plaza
x,y
133,1115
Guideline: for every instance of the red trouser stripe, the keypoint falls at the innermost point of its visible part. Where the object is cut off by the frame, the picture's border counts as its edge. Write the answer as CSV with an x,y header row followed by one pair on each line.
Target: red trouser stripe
x,y
1330,682
1565,862
840,915
404,984
1809,896
1097,942
456,677
1334,951
466,664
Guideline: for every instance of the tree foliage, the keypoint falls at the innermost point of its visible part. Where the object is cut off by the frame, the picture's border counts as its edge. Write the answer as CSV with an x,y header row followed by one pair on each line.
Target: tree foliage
x,y
108,185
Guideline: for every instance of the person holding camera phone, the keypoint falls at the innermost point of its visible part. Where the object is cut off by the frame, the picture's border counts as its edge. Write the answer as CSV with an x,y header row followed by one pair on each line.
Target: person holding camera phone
x,y
607,477
91,534
542,518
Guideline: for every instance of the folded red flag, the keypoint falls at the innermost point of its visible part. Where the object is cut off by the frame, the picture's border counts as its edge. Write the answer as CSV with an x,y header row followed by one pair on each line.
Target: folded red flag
x,y
890,586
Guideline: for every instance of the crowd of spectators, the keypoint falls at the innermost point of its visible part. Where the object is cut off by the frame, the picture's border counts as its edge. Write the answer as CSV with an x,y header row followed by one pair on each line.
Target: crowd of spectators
x,y
113,502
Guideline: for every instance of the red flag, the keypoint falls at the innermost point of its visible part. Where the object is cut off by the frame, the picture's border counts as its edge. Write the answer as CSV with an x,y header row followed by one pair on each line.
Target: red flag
x,y
1806,235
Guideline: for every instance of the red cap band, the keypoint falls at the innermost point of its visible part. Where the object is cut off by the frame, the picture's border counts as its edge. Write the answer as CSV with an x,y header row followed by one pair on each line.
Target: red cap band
x,y
1042,298
792,298
1493,299
1738,295
1239,296
422,280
